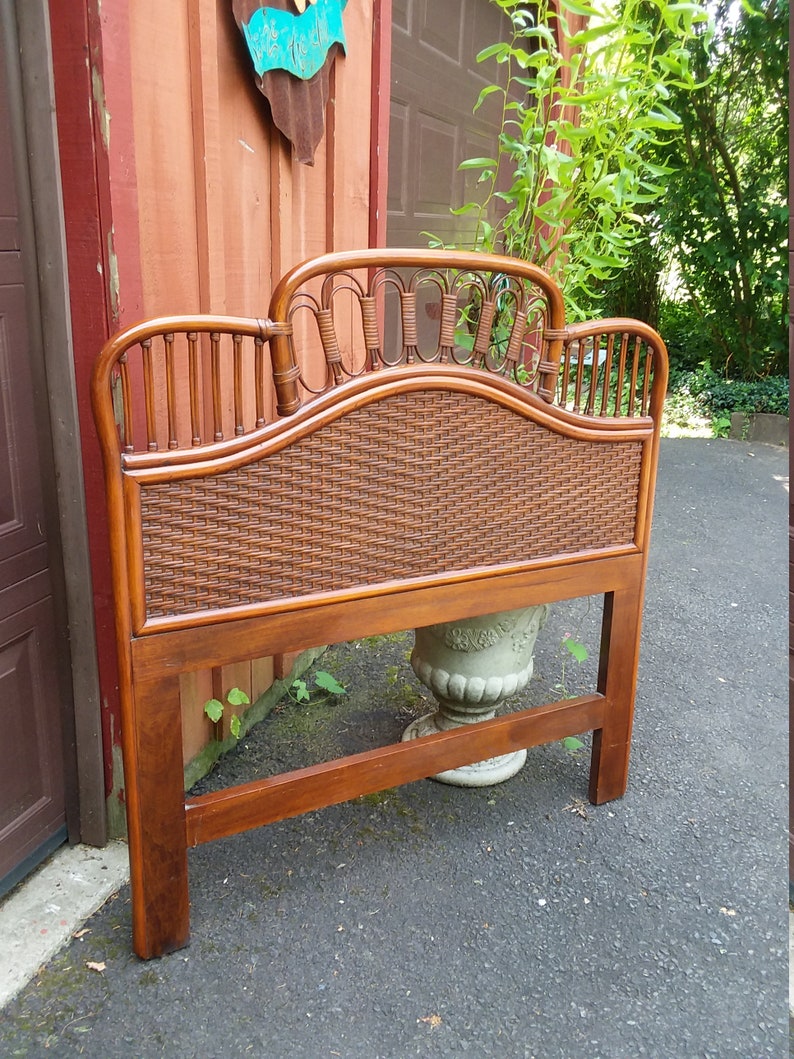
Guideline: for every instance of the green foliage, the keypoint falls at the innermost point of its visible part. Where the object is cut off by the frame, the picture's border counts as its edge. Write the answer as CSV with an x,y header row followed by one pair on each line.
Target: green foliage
x,y
214,709
635,291
574,169
721,426
689,341
301,692
578,650
570,647
724,219
572,744
328,683
715,396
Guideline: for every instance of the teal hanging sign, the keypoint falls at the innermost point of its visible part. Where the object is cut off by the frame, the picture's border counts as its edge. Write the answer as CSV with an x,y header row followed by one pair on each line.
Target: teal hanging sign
x,y
297,43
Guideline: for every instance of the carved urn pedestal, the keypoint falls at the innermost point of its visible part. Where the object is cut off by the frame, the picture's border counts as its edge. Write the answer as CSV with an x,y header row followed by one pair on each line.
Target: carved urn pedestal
x,y
471,666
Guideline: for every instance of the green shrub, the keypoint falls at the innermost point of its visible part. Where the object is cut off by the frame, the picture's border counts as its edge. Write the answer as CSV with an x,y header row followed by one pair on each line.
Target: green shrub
x,y
634,291
724,217
714,396
688,340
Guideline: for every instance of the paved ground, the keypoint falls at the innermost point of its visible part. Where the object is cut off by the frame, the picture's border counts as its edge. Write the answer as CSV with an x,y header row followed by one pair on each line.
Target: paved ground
x,y
41,915
517,920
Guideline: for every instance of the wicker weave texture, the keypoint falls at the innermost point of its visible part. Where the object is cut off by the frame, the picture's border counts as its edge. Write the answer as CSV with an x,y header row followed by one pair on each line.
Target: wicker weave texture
x,y
415,485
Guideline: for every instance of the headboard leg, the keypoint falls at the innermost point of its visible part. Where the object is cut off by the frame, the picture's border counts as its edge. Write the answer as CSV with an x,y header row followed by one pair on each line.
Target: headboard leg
x,y
617,681
153,769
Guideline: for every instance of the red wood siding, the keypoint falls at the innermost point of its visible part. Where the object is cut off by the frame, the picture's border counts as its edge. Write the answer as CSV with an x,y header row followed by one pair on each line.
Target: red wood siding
x,y
180,195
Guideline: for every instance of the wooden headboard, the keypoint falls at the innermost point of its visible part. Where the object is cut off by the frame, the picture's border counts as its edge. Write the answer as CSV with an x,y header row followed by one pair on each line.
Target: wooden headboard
x,y
408,437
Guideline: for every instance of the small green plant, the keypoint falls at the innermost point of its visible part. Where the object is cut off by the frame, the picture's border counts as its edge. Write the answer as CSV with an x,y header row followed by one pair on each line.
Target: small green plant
x,y
578,650
570,648
721,427
301,692
572,744
214,709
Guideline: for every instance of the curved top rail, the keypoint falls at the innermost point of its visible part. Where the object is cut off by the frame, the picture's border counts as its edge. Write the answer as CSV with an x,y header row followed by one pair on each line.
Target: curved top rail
x,y
286,371
186,381
205,323
113,416
613,366
375,257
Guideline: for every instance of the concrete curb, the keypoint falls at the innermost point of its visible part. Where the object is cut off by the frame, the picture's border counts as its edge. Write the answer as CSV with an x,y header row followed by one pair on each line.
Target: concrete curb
x,y
40,916
761,427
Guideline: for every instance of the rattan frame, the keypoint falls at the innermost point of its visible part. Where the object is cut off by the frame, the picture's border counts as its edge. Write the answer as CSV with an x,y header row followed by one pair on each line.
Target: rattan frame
x,y
161,500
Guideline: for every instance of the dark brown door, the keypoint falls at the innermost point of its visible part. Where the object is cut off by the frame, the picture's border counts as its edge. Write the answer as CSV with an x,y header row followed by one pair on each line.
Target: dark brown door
x,y
32,787
435,82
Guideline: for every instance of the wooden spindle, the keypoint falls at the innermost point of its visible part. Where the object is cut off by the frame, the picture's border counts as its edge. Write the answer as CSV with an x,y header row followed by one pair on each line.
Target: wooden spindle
x,y
148,395
369,323
624,345
515,342
259,381
239,426
635,367
646,382
607,374
170,390
195,387
577,393
593,387
333,354
217,406
127,438
408,320
565,378
449,319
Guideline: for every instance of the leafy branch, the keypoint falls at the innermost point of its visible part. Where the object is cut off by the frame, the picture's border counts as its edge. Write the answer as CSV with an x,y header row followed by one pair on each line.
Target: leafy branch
x,y
585,101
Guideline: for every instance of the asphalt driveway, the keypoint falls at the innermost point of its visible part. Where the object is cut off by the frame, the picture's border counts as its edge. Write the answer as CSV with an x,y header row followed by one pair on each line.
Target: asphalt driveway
x,y
508,921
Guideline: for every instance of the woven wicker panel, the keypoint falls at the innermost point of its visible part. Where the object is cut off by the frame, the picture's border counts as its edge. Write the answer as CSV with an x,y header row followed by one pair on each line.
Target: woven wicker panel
x,y
415,485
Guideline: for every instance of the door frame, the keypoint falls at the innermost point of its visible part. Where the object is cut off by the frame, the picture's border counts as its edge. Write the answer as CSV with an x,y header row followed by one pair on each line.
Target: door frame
x,y
379,121
26,31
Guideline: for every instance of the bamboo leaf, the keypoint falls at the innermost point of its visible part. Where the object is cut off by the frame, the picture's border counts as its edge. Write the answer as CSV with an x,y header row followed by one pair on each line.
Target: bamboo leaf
x,y
577,8
477,163
593,33
500,50
487,91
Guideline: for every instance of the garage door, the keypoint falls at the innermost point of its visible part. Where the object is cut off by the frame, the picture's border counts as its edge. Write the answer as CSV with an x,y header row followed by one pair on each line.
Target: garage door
x,y
33,785
435,83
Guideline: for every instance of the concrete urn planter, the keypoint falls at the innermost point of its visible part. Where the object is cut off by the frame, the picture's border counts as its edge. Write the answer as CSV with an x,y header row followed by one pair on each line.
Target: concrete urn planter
x,y
471,666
